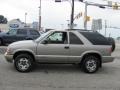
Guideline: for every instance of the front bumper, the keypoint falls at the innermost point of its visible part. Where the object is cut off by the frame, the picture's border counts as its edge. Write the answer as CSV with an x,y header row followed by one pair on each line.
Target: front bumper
x,y
106,59
9,58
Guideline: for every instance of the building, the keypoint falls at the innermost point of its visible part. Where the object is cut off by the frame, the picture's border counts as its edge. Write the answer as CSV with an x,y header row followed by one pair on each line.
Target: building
x,y
35,25
16,24
4,27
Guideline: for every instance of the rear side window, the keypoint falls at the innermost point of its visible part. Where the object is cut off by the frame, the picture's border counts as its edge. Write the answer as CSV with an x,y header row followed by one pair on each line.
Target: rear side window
x,y
95,38
22,32
34,32
74,39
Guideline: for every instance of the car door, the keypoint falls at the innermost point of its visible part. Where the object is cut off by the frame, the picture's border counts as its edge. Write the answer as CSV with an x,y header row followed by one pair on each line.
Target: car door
x,y
10,36
34,34
54,48
76,48
21,34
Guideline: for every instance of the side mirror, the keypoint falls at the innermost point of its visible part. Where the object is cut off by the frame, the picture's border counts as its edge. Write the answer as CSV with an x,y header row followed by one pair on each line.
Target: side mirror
x,y
45,42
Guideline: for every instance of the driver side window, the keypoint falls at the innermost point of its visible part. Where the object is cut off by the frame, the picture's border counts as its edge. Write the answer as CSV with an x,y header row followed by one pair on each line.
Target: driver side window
x,y
57,38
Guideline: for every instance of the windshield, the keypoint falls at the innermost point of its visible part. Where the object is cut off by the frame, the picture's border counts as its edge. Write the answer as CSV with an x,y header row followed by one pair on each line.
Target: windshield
x,y
42,36
12,32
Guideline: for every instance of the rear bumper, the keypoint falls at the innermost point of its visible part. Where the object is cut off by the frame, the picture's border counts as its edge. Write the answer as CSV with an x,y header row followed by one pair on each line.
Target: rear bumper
x,y
9,58
106,59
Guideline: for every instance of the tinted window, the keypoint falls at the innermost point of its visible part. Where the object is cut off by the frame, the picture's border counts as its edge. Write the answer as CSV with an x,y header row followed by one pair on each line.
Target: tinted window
x,y
22,32
95,38
74,39
57,38
12,32
34,32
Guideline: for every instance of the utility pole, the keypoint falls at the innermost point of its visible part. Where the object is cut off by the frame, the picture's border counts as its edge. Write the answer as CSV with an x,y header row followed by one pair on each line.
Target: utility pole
x,y
62,27
72,12
105,27
72,16
68,23
92,4
25,18
85,17
40,16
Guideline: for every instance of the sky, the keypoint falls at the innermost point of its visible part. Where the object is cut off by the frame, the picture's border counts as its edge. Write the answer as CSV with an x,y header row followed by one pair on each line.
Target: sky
x,y
56,15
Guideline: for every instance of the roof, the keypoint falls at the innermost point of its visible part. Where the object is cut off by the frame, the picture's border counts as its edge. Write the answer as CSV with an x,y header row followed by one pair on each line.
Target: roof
x,y
79,30
27,28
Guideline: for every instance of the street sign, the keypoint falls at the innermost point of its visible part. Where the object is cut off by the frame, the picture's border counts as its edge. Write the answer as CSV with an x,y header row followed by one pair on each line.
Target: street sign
x,y
78,15
115,6
110,3
96,24
74,25
99,24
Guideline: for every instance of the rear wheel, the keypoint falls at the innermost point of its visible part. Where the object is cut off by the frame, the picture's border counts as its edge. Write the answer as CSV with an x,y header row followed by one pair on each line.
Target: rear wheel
x,y
23,63
90,64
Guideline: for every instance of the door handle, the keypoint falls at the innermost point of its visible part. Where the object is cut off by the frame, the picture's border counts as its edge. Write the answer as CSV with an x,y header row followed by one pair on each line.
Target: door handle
x,y
66,47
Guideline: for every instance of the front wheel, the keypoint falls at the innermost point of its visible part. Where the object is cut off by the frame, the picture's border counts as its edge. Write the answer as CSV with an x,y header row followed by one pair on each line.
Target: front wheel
x,y
90,64
23,63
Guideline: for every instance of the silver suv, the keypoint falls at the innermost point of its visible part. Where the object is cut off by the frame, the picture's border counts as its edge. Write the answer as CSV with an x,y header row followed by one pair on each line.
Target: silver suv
x,y
85,48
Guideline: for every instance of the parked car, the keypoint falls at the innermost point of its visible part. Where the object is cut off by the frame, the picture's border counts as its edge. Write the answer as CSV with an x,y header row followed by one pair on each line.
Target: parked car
x,y
85,48
41,32
17,35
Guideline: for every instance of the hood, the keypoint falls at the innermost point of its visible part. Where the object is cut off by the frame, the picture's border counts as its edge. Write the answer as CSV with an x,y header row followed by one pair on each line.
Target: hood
x,y
23,44
2,33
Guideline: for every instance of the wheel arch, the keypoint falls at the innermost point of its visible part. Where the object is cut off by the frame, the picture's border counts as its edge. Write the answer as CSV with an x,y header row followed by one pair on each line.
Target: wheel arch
x,y
24,52
92,54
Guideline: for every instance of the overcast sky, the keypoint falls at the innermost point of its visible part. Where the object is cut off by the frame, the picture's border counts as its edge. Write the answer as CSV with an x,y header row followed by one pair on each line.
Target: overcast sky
x,y
55,15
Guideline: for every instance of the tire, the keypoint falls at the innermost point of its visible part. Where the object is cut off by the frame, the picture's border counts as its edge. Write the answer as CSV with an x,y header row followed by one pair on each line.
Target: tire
x,y
90,64
23,63
112,42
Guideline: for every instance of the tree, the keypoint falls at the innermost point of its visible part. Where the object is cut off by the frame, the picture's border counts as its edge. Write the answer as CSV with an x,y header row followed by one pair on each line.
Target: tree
x,y
3,20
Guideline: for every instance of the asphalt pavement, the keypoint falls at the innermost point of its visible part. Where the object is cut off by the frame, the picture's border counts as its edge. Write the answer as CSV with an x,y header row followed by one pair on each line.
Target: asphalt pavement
x,y
60,77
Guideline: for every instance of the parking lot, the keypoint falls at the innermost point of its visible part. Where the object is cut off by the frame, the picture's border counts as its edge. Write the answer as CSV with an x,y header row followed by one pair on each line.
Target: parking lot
x,y
60,77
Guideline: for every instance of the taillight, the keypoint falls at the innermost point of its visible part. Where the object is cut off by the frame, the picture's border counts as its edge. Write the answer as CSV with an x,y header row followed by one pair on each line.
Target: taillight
x,y
110,50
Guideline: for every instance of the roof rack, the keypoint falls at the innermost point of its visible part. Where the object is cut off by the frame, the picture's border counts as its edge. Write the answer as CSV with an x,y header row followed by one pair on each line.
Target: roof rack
x,y
81,30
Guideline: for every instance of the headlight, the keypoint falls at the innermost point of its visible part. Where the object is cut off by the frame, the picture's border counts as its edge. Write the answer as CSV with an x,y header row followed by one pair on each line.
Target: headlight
x,y
8,51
